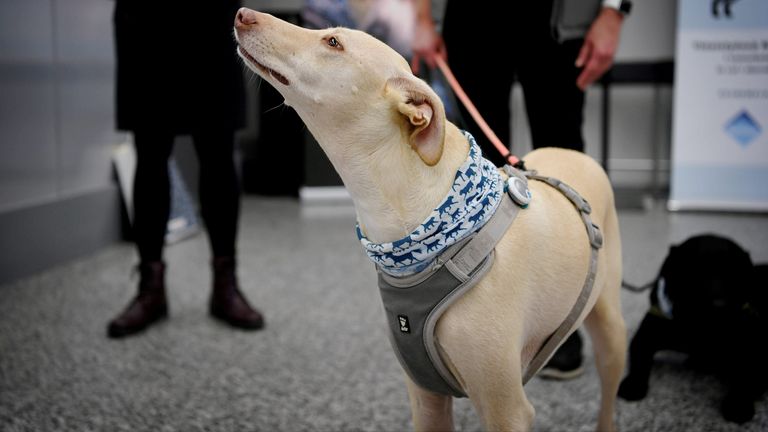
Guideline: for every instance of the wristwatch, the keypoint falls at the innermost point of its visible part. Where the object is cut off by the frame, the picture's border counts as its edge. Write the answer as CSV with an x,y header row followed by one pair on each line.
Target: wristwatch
x,y
623,6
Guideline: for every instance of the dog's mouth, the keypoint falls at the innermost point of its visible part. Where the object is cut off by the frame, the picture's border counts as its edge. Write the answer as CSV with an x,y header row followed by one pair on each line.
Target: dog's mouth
x,y
268,71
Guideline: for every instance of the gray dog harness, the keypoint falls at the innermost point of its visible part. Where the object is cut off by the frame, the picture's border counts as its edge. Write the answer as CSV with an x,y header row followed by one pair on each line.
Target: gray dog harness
x,y
413,304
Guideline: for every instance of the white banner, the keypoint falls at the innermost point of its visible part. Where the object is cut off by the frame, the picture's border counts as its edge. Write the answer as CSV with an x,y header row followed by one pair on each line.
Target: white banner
x,y
720,130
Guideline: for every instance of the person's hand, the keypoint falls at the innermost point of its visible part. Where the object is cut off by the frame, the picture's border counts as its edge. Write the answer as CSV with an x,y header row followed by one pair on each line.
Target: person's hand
x,y
600,44
427,44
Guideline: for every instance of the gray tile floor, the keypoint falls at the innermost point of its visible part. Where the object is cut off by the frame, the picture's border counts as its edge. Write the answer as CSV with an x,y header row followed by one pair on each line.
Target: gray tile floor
x,y
322,364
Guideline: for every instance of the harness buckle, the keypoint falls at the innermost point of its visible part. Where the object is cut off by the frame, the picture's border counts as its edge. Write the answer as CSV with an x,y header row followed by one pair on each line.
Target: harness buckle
x,y
517,186
595,235
518,191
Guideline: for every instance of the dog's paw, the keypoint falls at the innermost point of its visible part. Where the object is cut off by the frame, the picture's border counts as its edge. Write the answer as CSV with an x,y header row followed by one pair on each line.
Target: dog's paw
x,y
632,389
737,409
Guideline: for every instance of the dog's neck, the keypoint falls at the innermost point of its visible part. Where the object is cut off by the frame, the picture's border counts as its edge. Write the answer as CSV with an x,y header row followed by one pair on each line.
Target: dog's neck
x,y
392,188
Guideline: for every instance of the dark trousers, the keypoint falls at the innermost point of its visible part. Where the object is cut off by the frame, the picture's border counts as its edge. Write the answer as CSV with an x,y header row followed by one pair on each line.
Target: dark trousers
x,y
489,47
219,190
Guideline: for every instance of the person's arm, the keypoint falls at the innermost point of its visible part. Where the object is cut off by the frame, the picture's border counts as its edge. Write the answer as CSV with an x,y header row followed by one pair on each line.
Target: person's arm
x,y
427,43
600,45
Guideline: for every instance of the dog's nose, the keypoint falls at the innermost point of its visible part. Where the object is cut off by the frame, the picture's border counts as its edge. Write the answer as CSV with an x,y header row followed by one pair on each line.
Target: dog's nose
x,y
245,17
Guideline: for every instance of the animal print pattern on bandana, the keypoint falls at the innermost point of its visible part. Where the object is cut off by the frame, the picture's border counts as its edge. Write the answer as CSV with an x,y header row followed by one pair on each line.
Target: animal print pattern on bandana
x,y
473,198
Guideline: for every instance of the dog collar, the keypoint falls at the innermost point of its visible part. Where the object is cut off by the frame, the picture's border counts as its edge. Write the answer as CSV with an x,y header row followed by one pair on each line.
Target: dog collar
x,y
473,198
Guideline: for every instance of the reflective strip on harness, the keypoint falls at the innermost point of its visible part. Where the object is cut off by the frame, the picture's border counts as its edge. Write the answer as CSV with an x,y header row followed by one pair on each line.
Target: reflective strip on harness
x,y
413,304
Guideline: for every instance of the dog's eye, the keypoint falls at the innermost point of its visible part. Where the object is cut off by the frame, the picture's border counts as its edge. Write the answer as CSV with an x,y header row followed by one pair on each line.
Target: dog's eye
x,y
334,43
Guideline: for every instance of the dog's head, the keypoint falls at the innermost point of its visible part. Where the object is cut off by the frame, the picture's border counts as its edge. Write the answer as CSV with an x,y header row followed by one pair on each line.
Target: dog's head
x,y
704,280
342,79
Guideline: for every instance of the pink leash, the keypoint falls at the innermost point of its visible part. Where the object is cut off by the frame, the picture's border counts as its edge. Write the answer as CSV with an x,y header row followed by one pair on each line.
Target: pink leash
x,y
473,112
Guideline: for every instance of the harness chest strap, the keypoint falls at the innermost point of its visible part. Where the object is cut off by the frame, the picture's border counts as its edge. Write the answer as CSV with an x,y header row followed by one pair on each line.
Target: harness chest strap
x,y
413,304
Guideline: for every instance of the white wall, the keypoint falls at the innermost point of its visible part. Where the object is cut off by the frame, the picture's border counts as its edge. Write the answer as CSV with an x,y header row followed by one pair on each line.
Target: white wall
x,y
57,197
56,100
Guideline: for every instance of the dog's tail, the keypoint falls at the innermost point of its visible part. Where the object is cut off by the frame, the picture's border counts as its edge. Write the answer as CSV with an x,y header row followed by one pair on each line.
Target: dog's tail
x,y
637,289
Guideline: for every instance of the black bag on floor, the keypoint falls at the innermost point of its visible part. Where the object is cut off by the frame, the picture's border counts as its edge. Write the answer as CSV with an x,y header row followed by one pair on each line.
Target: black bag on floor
x,y
708,301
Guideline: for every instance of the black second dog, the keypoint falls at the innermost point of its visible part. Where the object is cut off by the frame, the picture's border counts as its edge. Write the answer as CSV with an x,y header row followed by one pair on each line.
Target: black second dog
x,y
710,302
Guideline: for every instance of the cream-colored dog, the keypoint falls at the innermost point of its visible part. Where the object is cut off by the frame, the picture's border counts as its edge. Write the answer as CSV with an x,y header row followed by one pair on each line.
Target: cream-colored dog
x,y
385,132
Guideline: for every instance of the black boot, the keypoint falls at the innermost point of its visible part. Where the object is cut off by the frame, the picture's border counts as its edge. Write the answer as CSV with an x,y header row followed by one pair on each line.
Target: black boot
x,y
227,302
565,364
148,307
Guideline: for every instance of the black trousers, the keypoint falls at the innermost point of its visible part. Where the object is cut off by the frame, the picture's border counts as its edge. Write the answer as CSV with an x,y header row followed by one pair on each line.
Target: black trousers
x,y
219,190
491,46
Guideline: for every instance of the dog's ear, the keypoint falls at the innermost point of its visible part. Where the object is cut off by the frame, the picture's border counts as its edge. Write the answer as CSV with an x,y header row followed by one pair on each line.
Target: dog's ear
x,y
423,113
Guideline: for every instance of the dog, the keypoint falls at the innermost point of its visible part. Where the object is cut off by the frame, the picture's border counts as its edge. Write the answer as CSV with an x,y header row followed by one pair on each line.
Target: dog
x,y
708,301
386,134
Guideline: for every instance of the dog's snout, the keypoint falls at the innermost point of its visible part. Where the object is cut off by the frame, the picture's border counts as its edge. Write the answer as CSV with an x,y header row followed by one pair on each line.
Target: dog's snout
x,y
246,17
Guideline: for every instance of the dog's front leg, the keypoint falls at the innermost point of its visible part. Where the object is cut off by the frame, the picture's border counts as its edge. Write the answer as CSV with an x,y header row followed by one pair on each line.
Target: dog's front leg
x,y
491,374
430,411
497,394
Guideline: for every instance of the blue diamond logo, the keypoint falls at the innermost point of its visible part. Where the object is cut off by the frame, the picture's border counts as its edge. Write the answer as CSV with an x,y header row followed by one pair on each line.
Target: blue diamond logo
x,y
743,128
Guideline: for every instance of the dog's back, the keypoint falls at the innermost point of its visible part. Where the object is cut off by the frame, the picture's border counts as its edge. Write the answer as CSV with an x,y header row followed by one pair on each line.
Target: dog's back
x,y
579,171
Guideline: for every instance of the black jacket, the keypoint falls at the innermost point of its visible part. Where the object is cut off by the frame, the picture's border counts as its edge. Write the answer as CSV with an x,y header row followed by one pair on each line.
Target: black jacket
x,y
177,68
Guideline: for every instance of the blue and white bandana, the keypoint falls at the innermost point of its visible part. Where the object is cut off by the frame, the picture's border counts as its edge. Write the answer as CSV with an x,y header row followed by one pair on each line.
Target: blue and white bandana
x,y
473,198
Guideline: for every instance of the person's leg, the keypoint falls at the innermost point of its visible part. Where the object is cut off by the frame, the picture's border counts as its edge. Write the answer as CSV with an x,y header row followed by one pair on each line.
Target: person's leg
x,y
220,202
547,73
477,43
151,207
151,193
219,189
555,105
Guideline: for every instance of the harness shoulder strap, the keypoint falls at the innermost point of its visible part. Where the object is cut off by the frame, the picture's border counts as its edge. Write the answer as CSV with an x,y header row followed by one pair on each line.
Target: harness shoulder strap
x,y
471,255
596,242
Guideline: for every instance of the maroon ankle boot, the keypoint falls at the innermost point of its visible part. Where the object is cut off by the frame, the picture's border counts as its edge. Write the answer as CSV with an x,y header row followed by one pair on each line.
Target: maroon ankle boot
x,y
148,307
227,302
